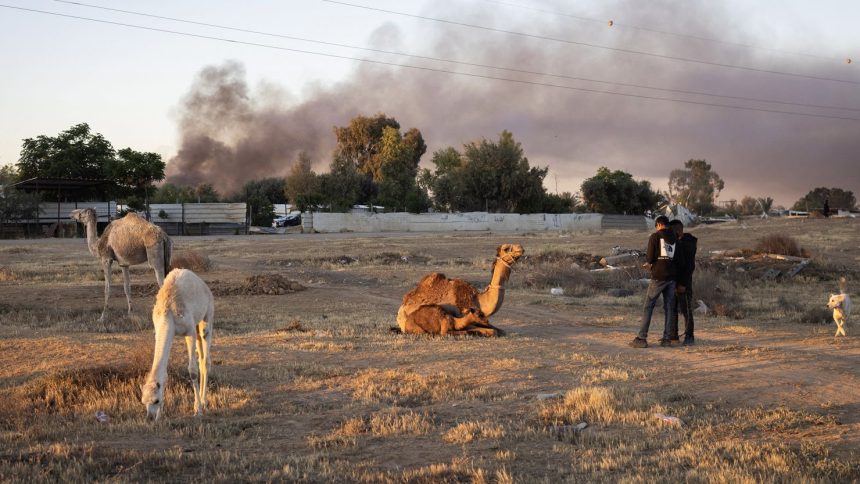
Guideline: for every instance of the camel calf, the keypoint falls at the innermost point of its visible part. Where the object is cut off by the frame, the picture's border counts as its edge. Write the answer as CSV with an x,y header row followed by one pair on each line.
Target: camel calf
x,y
434,319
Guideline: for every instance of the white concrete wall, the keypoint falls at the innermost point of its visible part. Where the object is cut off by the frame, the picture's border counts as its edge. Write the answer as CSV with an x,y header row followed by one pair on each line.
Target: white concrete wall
x,y
452,222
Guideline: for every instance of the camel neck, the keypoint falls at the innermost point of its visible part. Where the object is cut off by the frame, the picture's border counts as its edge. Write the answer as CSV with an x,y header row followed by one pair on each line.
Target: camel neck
x,y
491,299
92,238
163,342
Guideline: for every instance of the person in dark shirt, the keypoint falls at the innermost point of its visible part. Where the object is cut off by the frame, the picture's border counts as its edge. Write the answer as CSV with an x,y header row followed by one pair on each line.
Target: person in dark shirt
x,y
685,265
659,258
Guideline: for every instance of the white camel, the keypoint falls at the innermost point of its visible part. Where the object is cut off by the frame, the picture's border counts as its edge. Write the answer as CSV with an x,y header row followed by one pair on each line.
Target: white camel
x,y
130,240
184,307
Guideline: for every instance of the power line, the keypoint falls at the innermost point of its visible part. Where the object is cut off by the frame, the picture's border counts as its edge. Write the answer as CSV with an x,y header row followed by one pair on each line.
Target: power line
x,y
426,69
596,46
615,24
463,63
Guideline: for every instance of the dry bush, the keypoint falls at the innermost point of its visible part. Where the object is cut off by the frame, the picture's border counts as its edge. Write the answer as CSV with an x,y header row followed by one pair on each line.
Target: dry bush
x,y
780,244
468,431
386,423
268,284
722,296
595,404
404,388
191,260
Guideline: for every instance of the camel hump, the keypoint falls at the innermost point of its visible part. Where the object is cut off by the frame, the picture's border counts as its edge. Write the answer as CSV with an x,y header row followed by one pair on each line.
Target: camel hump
x,y
432,279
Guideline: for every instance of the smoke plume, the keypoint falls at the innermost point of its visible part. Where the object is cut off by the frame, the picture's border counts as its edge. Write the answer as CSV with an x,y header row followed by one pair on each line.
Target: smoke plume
x,y
230,134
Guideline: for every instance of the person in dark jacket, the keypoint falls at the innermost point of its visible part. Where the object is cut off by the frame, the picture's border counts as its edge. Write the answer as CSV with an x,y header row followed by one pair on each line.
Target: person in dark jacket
x,y
659,258
686,264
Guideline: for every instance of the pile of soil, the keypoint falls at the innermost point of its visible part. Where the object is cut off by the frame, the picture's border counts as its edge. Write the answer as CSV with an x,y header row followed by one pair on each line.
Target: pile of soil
x,y
268,284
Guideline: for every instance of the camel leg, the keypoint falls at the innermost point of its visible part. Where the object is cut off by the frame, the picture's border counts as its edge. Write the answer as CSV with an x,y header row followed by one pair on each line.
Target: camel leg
x,y
155,257
840,329
487,332
127,286
204,342
193,372
106,266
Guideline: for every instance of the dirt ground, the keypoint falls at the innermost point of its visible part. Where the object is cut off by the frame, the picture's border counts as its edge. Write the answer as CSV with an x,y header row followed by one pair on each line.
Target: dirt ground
x,y
309,384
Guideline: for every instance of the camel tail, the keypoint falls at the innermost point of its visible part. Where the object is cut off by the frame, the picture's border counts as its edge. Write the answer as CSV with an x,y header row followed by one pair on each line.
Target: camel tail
x,y
843,284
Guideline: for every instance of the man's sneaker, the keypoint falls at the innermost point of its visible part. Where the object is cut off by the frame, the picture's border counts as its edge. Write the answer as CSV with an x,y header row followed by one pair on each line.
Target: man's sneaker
x,y
689,341
639,343
675,342
665,342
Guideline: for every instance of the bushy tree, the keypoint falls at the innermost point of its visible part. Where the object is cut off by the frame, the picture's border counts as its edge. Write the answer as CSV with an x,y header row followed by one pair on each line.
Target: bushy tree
x,y
696,186
134,174
302,187
375,147
261,196
343,186
489,175
170,193
616,192
837,198
755,206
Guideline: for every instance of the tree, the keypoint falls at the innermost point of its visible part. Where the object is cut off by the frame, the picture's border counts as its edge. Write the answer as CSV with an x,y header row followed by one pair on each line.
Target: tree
x,y
755,206
170,193
564,203
614,192
388,159
343,186
135,174
74,153
398,185
446,184
302,186
261,196
836,197
695,186
8,175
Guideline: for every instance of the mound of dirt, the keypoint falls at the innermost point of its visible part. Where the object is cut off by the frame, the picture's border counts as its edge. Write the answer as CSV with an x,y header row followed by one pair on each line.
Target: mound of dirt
x,y
268,284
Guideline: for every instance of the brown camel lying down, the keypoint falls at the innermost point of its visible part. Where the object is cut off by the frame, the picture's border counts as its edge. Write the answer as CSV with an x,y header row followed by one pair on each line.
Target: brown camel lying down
x,y
434,319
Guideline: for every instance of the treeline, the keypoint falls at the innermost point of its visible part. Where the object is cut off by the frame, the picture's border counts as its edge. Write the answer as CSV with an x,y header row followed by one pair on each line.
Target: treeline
x,y
375,163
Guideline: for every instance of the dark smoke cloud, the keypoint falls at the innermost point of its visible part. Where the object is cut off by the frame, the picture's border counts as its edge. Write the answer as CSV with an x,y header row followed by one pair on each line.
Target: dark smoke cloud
x,y
230,135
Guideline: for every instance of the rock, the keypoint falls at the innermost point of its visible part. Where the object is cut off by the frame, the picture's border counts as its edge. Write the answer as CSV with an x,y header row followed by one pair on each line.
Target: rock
x,y
620,292
547,396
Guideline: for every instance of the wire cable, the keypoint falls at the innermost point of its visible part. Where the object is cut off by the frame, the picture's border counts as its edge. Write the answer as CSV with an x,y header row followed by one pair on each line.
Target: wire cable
x,y
616,24
596,46
426,69
463,63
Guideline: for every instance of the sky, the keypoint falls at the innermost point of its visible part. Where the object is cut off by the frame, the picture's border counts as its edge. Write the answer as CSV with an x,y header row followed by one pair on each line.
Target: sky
x,y
225,112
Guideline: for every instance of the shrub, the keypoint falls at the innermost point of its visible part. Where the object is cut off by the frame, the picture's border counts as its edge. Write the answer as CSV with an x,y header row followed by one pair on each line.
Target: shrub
x,y
720,295
191,260
779,244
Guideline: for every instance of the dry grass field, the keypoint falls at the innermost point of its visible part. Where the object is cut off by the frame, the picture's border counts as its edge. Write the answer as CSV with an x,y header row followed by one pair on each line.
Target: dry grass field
x,y
309,385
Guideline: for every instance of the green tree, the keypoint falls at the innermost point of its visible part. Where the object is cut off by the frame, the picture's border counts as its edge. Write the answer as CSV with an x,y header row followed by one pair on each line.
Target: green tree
x,y
261,196
74,153
170,193
302,187
446,183
564,203
616,192
8,175
135,174
836,197
361,143
398,185
343,186
696,186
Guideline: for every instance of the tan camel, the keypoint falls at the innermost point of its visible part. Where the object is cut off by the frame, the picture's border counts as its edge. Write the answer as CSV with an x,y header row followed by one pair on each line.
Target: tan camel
x,y
456,297
130,240
184,307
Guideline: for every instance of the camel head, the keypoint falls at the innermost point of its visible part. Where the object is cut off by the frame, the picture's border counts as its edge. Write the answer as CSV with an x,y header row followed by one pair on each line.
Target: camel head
x,y
509,253
84,215
152,395
835,301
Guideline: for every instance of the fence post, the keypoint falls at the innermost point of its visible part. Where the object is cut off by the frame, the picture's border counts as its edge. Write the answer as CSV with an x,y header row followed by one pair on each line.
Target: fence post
x,y
183,219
